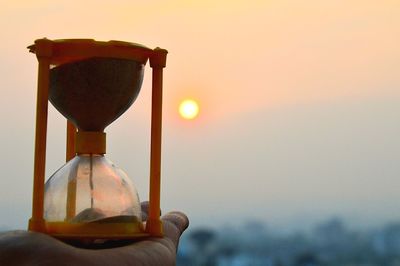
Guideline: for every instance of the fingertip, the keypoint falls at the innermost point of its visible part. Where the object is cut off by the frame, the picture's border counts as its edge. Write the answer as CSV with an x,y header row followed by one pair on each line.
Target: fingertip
x,y
178,219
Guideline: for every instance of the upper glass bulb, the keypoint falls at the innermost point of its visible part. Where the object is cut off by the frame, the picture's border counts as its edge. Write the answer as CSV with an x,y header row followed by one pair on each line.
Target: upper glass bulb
x,y
94,92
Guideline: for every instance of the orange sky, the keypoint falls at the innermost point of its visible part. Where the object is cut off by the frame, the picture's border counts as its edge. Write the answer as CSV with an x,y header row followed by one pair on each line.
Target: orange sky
x,y
242,60
268,52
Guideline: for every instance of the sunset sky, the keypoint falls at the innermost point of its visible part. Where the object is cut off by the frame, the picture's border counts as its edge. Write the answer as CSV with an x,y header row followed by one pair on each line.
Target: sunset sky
x,y
299,106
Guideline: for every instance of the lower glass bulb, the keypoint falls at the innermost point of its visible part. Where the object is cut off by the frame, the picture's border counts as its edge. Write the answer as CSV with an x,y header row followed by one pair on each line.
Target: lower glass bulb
x,y
89,188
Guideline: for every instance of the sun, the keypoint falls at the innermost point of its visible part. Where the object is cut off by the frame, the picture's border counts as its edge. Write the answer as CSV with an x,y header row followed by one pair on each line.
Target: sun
x,y
189,109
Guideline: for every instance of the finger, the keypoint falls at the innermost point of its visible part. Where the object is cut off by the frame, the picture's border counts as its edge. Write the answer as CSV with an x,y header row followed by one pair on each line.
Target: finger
x,y
174,224
145,205
145,209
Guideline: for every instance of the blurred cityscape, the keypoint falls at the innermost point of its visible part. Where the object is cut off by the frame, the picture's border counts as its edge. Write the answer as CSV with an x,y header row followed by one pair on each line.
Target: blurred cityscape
x,y
330,243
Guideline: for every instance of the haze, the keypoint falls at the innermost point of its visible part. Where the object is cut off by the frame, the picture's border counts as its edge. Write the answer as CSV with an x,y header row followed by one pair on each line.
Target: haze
x,y
300,101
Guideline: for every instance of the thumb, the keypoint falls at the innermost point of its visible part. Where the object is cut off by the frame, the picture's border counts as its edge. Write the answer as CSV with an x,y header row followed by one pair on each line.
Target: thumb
x,y
174,224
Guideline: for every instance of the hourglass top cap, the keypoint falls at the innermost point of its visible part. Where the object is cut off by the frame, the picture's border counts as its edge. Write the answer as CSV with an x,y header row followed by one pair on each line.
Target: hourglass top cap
x,y
68,50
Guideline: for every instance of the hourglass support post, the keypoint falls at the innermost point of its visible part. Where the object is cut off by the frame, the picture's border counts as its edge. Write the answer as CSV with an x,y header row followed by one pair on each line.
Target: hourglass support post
x,y
157,63
43,53
70,153
70,149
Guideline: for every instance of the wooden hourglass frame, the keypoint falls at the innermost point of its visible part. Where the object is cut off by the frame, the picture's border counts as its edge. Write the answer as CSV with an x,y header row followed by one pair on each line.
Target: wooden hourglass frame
x,y
59,52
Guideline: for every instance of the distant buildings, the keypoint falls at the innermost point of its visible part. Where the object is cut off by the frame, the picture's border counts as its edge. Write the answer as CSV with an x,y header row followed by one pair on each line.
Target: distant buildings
x,y
330,244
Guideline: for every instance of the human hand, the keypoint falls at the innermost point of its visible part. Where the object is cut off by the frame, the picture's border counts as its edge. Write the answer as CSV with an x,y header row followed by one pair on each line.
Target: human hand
x,y
31,248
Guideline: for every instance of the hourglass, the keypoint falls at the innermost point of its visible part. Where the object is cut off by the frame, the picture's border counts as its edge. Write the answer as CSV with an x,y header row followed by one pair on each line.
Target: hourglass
x,y
92,83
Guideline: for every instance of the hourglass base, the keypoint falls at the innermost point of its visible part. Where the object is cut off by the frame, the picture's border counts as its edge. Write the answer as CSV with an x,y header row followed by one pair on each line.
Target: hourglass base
x,y
95,230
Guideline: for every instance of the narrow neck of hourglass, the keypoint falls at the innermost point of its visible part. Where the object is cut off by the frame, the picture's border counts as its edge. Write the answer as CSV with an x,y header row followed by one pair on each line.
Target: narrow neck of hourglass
x,y
90,142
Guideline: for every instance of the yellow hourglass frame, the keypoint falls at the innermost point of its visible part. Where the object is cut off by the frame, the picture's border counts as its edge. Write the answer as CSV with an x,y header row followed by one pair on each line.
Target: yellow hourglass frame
x,y
57,52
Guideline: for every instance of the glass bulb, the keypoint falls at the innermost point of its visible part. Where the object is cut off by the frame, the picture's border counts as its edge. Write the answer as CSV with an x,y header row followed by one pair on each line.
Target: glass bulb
x,y
90,188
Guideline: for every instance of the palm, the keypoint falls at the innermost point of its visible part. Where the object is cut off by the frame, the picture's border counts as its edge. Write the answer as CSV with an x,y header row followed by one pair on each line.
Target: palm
x,y
30,248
